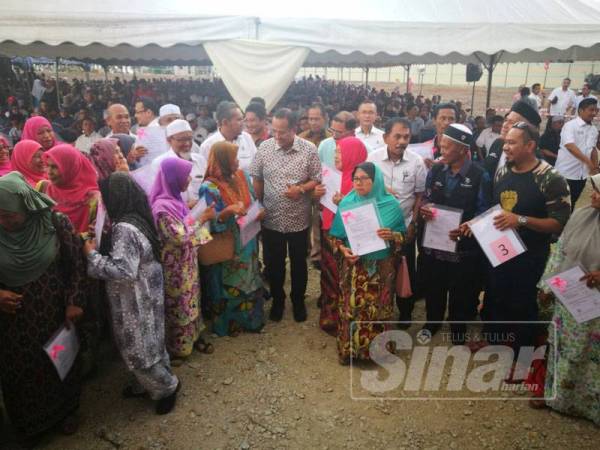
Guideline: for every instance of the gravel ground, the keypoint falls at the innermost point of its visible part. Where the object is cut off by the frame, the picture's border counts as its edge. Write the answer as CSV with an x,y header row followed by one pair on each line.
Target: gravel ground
x,y
284,389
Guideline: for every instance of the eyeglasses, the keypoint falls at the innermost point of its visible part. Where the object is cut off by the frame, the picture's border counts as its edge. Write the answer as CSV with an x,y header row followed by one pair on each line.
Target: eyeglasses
x,y
521,125
183,139
361,179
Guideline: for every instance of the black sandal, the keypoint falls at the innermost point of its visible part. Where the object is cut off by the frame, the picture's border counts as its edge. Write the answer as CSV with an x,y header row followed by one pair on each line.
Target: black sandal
x,y
204,347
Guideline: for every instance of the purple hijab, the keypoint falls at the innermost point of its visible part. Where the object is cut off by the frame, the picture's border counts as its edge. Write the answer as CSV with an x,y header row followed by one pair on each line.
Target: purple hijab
x,y
165,196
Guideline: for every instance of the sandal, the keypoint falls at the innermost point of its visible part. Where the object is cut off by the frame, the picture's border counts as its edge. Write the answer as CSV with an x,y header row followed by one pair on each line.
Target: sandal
x,y
204,347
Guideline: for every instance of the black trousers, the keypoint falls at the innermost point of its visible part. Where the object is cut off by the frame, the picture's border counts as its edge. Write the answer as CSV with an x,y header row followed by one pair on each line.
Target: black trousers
x,y
576,187
276,248
405,305
457,284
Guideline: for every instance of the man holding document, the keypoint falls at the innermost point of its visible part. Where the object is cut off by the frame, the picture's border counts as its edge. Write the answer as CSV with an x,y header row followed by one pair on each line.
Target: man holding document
x,y
452,271
536,203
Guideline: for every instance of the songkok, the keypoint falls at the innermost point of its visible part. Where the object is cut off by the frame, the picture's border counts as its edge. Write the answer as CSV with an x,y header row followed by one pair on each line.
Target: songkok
x,y
178,126
587,102
528,112
459,133
169,108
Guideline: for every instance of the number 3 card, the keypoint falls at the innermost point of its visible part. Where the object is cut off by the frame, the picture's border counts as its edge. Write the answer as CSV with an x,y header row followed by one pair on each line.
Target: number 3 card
x,y
498,246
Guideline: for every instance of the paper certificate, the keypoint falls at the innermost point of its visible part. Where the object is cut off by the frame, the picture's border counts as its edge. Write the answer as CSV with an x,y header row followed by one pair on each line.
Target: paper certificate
x,y
581,301
249,226
498,246
145,176
332,179
361,224
424,150
444,220
192,218
62,349
153,139
100,219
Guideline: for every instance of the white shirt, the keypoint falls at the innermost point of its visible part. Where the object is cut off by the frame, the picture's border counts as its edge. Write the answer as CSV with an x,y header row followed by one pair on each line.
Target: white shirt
x,y
566,99
197,174
584,136
405,177
84,143
246,150
486,138
373,140
581,97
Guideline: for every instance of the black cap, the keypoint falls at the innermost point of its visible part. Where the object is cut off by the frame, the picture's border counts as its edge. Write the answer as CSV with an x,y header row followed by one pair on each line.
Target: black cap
x,y
528,112
459,133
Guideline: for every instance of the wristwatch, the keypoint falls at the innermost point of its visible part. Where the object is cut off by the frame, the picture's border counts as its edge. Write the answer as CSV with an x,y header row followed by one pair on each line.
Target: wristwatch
x,y
522,220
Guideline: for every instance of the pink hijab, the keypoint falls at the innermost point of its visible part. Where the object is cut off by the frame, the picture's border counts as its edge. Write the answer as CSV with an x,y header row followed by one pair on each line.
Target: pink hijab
x,y
21,160
5,167
32,126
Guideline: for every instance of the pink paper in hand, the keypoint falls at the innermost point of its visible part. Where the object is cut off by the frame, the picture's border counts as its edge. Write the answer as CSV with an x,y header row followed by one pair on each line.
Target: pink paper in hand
x,y
56,350
434,212
347,216
325,171
503,249
559,284
241,221
141,133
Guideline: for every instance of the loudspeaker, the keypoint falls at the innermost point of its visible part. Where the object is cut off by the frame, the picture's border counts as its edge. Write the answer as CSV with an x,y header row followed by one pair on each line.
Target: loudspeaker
x,y
474,72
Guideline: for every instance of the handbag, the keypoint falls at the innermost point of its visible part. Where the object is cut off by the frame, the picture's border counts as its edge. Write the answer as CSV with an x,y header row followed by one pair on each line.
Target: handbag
x,y
403,289
219,249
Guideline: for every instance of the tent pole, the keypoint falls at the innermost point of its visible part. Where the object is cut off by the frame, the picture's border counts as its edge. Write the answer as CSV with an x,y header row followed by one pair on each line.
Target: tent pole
x,y
527,74
506,74
407,76
472,98
436,73
366,76
58,102
569,70
490,69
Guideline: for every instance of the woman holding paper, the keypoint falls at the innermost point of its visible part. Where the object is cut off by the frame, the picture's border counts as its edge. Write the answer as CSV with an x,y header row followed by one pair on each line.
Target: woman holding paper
x,y
134,284
41,287
179,257
349,153
235,287
366,282
577,345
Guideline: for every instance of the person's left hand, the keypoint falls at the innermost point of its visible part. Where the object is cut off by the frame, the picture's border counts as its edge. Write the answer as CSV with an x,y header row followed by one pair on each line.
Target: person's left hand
x,y
72,314
506,220
319,191
293,192
89,245
385,234
592,279
455,235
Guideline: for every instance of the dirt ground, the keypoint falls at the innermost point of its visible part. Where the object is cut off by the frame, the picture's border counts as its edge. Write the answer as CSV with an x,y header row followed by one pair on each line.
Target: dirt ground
x,y
284,389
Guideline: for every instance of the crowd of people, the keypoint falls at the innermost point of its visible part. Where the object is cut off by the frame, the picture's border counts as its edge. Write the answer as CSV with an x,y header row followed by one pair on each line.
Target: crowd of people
x,y
153,252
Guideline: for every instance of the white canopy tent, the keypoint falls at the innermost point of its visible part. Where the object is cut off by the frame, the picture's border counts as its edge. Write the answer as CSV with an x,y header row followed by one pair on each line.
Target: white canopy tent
x,y
346,33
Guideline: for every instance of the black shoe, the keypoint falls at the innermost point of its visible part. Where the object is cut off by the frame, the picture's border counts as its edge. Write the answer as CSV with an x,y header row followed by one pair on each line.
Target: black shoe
x,y
166,405
432,327
300,312
276,313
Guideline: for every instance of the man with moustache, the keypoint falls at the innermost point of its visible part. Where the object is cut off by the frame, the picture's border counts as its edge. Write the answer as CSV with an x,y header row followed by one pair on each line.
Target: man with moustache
x,y
404,174
443,115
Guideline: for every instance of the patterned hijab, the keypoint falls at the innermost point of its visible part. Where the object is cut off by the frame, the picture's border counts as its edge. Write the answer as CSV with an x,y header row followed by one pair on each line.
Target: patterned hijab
x,y
21,160
233,186
165,196
78,183
25,254
102,154
352,152
126,202
32,125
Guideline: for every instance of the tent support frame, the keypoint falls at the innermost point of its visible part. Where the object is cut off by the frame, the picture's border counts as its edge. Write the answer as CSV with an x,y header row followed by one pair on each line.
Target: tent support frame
x,y
489,66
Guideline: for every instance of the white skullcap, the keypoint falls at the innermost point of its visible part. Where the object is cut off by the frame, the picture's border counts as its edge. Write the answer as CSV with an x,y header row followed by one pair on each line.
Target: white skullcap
x,y
178,126
169,108
459,133
190,116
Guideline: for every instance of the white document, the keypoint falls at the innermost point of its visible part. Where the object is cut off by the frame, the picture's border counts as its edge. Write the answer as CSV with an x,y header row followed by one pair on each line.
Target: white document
x,y
145,176
498,246
194,215
153,139
332,179
444,220
62,349
581,301
361,224
424,150
100,219
249,226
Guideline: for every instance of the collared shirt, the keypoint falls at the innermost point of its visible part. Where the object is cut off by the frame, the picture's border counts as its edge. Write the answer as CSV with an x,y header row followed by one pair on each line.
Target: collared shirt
x,y
584,136
373,140
197,173
84,143
405,177
279,168
486,138
566,99
315,138
246,150
581,97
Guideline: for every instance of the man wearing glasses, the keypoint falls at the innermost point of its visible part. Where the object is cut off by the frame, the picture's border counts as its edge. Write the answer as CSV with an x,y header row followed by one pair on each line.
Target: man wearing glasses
x,y
145,113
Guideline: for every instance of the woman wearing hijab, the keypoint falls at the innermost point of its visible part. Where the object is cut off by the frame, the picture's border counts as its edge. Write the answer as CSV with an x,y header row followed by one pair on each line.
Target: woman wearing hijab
x,y
134,283
5,164
235,287
107,158
574,350
179,257
349,153
366,282
41,275
40,130
27,159
126,144
72,185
